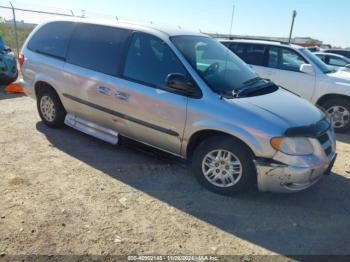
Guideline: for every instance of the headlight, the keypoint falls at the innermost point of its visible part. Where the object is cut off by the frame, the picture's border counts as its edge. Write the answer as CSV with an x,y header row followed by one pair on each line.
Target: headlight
x,y
296,146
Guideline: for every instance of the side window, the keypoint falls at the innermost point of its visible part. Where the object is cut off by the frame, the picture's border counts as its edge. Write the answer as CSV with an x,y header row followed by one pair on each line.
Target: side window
x,y
290,60
227,44
150,61
256,54
336,61
273,57
322,57
239,50
98,48
52,39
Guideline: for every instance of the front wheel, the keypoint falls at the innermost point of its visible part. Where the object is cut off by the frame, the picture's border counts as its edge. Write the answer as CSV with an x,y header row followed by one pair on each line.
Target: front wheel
x,y
224,165
339,111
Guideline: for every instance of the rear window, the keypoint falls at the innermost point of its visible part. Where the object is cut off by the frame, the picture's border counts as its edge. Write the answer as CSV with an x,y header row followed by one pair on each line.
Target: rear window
x,y
345,53
253,54
52,39
97,47
256,54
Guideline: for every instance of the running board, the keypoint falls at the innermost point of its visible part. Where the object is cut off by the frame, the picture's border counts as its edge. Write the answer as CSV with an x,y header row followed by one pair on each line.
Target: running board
x,y
92,129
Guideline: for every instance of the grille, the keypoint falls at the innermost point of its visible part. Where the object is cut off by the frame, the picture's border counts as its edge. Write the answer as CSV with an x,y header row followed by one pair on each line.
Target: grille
x,y
328,151
326,143
323,138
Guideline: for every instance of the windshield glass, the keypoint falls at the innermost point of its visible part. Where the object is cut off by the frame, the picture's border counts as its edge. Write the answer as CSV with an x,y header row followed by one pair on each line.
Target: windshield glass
x,y
222,70
317,61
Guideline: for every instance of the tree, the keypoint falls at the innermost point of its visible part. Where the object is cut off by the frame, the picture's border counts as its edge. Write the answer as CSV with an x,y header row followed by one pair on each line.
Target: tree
x,y
7,32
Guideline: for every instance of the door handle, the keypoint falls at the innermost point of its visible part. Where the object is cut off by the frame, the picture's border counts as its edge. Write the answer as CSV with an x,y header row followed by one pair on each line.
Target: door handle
x,y
121,95
104,90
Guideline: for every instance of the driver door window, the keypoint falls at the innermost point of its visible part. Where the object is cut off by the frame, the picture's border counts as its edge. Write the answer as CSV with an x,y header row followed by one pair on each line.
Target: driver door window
x,y
150,60
290,60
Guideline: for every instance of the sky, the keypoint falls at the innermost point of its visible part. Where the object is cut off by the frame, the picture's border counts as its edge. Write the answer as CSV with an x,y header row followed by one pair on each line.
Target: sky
x,y
328,21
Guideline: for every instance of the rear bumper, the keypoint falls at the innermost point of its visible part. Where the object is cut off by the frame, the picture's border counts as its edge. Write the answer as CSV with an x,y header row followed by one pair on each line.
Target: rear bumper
x,y
28,88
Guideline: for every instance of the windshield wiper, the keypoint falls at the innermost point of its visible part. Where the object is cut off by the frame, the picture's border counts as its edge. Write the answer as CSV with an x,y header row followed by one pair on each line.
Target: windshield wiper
x,y
252,81
255,89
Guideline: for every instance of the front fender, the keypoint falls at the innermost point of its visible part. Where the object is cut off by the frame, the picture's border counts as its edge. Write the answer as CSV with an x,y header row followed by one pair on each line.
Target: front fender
x,y
333,86
256,140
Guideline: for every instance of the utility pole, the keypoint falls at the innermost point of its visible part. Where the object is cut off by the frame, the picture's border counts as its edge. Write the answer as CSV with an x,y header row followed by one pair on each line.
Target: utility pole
x,y
15,26
291,28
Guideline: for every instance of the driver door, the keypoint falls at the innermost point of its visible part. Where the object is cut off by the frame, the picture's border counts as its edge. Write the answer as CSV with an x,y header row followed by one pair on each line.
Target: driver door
x,y
283,68
153,114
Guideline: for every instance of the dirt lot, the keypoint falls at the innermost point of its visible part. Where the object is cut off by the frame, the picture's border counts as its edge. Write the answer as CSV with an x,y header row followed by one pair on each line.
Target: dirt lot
x,y
63,192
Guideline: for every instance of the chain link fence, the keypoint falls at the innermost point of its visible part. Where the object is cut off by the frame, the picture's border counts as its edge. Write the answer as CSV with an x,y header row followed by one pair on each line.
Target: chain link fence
x,y
16,23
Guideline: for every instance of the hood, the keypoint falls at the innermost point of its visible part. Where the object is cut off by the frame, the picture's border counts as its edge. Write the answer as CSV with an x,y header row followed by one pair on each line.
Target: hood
x,y
340,75
344,69
282,108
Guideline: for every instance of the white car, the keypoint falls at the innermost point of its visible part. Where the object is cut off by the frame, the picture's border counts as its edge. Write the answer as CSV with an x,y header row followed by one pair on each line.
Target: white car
x,y
297,69
336,61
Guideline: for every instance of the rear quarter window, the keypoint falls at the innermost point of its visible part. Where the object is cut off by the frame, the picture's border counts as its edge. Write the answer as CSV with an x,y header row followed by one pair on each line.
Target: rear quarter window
x,y
97,47
52,39
253,54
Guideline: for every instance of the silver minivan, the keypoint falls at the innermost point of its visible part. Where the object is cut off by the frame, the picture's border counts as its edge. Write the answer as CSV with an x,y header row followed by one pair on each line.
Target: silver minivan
x,y
180,92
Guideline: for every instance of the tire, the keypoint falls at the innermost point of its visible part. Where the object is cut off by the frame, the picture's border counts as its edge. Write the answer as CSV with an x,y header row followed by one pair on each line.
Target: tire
x,y
244,181
341,105
56,119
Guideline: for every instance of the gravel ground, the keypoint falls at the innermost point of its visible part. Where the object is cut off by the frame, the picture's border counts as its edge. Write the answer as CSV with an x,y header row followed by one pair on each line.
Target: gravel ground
x,y
63,192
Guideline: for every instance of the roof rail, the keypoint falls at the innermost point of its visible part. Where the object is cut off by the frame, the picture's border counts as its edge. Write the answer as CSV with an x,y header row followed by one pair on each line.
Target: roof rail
x,y
257,39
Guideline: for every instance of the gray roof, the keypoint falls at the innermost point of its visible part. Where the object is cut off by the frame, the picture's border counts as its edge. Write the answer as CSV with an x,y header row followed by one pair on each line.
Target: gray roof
x,y
143,27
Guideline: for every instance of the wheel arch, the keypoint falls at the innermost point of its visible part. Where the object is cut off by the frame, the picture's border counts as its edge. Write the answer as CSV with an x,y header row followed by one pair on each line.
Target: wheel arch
x,y
323,99
197,137
41,84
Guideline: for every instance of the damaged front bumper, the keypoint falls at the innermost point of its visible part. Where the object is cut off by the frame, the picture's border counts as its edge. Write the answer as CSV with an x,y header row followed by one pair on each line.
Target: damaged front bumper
x,y
287,174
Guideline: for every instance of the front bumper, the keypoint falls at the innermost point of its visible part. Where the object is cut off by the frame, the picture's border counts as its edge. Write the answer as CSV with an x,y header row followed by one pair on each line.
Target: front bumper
x,y
281,178
287,174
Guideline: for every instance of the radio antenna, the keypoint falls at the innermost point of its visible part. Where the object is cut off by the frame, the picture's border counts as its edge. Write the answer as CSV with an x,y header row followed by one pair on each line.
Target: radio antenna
x,y
232,16
229,37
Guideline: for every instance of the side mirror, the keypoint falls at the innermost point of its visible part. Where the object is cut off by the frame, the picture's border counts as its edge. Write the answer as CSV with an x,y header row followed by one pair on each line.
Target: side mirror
x,y
179,82
307,69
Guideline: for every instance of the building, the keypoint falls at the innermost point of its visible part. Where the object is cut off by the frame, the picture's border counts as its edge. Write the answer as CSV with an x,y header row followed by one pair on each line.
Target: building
x,y
302,41
21,24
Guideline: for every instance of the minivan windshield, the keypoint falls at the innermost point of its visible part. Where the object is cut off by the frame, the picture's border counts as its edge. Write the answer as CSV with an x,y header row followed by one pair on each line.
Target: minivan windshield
x,y
317,61
220,68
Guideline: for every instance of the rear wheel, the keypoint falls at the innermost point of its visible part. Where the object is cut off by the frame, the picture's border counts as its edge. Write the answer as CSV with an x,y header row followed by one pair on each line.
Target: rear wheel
x,y
223,165
339,111
50,108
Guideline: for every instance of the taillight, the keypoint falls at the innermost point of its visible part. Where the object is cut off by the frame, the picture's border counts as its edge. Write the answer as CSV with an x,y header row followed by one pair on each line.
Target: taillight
x,y
21,60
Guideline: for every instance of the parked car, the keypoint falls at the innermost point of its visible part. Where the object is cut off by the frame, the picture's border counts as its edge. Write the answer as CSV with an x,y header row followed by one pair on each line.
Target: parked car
x,y
8,64
336,61
314,49
342,52
301,72
181,92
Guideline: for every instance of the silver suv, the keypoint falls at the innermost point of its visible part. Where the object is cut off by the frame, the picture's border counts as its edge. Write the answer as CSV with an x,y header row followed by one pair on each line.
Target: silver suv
x,y
180,92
